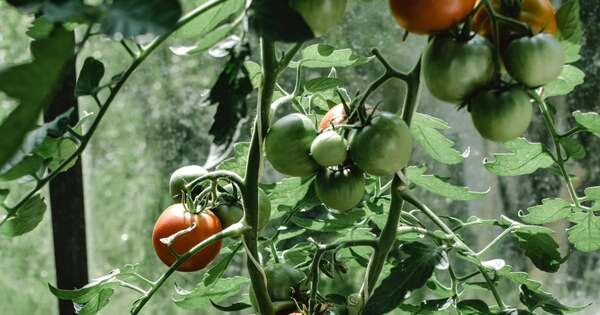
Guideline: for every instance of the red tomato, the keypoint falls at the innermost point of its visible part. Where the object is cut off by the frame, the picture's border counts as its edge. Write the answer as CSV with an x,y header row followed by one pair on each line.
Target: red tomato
x,y
174,219
336,116
430,16
538,14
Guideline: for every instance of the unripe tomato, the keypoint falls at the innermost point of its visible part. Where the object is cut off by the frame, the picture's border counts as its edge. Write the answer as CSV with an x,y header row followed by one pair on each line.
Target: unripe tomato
x,y
502,115
320,15
281,279
535,61
454,70
182,177
538,14
430,16
288,145
335,116
383,147
340,189
174,219
329,149
230,209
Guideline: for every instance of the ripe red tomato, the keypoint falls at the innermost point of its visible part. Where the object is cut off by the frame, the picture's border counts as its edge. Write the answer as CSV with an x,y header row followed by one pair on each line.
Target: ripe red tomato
x,y
335,116
174,219
538,14
430,16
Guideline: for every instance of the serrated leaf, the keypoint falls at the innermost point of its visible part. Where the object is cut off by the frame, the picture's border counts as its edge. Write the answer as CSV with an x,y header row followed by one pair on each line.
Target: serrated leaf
x,y
521,278
525,158
33,85
130,18
207,41
551,210
540,247
592,193
409,274
573,148
217,270
440,186
254,72
98,302
425,130
322,84
237,163
325,56
207,21
473,307
585,234
589,121
569,78
331,223
90,76
289,192
202,295
235,307
26,217
40,28
547,302
91,293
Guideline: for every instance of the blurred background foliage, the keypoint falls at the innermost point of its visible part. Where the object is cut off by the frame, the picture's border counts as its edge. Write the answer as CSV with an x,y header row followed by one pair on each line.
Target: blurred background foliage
x,y
158,123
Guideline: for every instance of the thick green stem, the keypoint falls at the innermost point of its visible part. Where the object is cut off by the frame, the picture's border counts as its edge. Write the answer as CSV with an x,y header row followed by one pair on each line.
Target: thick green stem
x,y
251,180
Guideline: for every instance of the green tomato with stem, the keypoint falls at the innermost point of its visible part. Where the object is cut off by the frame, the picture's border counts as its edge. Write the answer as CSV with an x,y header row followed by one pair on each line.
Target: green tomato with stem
x,y
320,15
230,210
455,69
502,115
282,279
183,176
383,146
535,61
329,149
288,145
340,189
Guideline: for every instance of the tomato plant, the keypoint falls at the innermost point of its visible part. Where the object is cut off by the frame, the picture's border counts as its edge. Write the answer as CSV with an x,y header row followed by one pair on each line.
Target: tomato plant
x,y
430,16
502,115
177,218
346,233
454,69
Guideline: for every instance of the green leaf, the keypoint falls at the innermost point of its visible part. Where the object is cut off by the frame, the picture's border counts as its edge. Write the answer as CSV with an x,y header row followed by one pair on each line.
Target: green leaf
x,y
573,148
130,18
521,278
33,85
592,193
40,28
289,192
89,77
551,210
585,234
525,158
569,78
26,217
98,302
202,295
207,41
590,121
207,21
237,163
569,23
89,292
540,247
330,223
254,72
325,56
409,274
322,84
440,186
547,302
427,307
473,307
217,270
425,130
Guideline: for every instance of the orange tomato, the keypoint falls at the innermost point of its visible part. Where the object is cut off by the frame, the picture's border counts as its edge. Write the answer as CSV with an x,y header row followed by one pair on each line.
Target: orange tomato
x,y
174,219
336,116
430,16
538,14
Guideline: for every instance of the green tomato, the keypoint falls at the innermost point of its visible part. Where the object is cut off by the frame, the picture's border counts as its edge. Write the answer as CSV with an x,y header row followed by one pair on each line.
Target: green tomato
x,y
535,61
382,147
502,115
320,15
230,211
288,145
281,279
454,70
329,149
340,189
182,177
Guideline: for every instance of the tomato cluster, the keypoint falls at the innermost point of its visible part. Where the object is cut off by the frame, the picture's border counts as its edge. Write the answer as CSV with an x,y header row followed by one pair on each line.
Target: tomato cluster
x,y
339,156
463,67
203,212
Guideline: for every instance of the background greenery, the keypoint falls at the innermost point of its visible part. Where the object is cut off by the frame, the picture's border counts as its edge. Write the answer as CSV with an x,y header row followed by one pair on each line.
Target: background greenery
x,y
159,123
